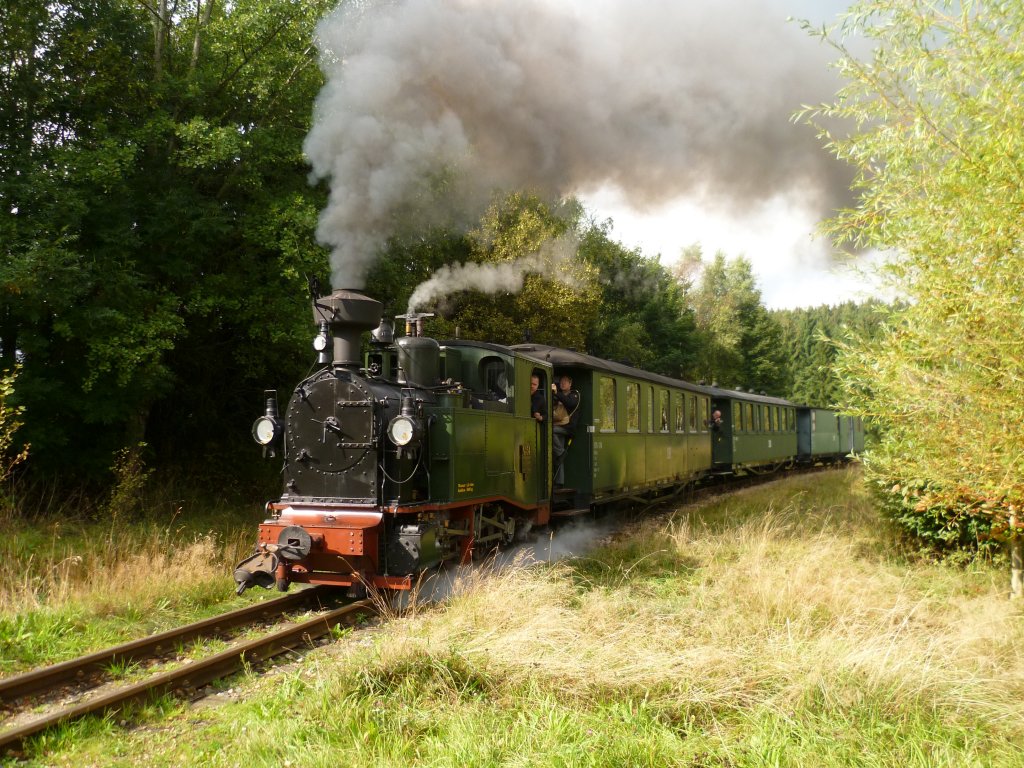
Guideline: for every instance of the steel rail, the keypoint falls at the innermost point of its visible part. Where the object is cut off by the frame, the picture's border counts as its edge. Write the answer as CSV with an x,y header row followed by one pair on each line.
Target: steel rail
x,y
48,678
190,677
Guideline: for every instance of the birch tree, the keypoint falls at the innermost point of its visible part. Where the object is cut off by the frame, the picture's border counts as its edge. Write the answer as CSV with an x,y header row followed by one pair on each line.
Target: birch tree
x,y
935,120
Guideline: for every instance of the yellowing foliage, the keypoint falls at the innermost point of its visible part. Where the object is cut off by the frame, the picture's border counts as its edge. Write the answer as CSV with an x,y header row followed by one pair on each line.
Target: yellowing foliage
x,y
937,139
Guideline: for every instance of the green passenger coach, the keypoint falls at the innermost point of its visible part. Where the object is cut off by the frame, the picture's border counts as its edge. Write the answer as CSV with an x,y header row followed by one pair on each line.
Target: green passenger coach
x,y
637,431
752,431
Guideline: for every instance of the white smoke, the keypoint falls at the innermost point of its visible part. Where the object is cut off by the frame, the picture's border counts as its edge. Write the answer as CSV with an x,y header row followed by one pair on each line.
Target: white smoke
x,y
553,260
574,539
432,106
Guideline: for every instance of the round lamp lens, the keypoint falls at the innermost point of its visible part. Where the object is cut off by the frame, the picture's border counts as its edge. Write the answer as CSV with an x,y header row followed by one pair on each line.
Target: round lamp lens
x,y
401,430
264,430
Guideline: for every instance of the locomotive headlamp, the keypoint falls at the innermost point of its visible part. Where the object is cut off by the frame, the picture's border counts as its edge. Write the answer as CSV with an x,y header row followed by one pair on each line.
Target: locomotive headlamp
x,y
264,430
402,430
321,342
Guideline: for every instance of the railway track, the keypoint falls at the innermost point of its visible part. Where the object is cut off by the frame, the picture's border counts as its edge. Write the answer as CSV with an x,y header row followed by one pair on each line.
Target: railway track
x,y
26,690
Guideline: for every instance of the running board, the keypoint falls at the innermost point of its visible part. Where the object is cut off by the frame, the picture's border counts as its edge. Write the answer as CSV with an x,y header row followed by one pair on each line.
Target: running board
x,y
566,513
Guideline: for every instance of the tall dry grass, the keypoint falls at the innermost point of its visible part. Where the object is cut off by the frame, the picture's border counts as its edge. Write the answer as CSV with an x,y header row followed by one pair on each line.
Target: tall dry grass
x,y
776,627
103,574
772,598
76,575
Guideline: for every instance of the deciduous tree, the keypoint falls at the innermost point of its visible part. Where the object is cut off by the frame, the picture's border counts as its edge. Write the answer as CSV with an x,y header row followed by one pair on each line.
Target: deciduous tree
x,y
740,342
935,130
155,220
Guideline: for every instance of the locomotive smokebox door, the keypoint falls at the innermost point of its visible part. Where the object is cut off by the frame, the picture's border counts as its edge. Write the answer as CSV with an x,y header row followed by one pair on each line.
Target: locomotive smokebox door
x,y
330,446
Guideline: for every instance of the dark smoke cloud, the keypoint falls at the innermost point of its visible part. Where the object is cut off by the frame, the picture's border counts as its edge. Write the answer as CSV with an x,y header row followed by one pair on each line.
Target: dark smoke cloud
x,y
662,98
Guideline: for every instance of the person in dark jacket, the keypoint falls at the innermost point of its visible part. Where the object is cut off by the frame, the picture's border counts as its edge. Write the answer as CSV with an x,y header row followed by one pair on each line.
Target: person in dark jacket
x,y
565,427
538,403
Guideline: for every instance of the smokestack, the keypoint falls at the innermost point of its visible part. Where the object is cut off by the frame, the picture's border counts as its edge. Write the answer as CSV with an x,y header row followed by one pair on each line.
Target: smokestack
x,y
348,313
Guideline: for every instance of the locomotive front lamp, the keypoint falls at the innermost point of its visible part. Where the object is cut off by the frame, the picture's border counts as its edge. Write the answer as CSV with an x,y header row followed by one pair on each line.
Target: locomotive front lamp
x,y
403,430
321,342
264,430
267,428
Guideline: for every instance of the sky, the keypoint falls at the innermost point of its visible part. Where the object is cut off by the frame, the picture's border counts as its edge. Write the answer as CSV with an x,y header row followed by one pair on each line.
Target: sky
x,y
794,265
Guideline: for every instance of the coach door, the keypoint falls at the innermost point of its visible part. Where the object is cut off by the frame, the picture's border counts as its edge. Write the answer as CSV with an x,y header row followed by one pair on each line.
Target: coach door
x,y
542,436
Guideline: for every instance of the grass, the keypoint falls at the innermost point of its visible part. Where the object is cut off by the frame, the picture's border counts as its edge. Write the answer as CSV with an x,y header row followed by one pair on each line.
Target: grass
x,y
775,627
72,581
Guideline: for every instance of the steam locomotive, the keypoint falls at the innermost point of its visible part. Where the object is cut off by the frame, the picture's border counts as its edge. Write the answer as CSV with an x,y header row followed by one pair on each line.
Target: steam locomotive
x,y
426,452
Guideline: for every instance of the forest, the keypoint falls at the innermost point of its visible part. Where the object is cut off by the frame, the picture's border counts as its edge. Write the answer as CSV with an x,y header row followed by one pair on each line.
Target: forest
x,y
158,236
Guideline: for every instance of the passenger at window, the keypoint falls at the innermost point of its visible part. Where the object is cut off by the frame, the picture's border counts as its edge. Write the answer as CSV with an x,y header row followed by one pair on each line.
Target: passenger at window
x,y
564,420
715,422
538,403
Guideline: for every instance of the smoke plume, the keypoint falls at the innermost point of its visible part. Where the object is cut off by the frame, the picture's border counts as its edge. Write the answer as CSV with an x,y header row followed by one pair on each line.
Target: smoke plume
x,y
553,260
430,106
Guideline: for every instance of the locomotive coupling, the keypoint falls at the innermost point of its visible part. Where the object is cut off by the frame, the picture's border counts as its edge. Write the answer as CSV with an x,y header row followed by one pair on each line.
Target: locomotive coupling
x,y
257,570
261,569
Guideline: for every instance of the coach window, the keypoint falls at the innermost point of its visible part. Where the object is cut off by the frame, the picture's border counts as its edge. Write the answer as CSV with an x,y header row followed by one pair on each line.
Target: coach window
x,y
737,417
632,406
678,411
691,413
706,407
770,422
748,417
607,392
663,414
650,409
